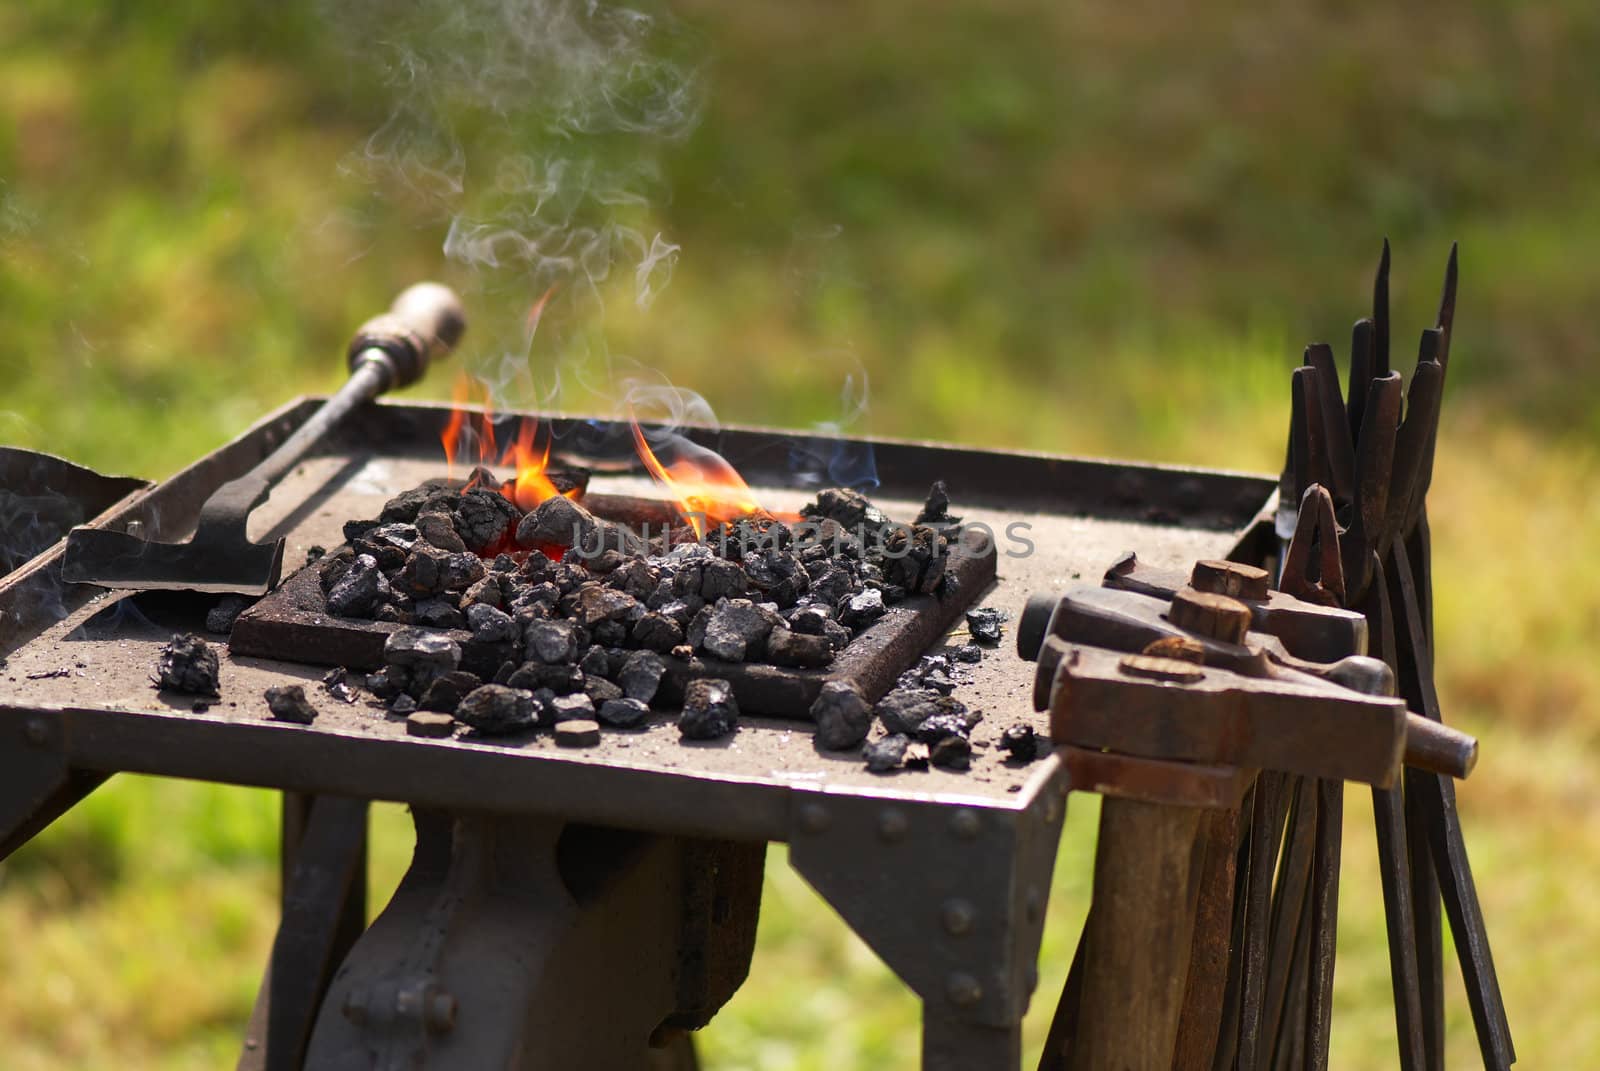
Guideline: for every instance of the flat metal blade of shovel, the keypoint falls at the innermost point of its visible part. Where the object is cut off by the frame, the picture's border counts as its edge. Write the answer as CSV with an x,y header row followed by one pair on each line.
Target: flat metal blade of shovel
x,y
213,561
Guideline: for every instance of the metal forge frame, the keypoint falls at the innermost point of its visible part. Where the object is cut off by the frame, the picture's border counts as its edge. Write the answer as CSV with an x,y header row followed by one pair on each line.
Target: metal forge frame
x,y
587,908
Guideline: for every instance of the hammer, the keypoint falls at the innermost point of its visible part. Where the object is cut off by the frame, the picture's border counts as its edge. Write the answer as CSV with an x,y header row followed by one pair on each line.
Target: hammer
x,y
388,351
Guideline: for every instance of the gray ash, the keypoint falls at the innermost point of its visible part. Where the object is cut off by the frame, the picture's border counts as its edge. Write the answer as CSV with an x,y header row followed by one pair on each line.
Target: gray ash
x,y
188,664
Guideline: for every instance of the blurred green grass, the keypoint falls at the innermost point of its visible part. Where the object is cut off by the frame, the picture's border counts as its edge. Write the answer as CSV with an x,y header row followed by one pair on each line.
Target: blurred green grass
x,y
1033,225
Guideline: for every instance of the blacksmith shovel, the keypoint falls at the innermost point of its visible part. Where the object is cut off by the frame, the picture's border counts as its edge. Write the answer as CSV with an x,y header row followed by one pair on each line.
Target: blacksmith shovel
x,y
388,351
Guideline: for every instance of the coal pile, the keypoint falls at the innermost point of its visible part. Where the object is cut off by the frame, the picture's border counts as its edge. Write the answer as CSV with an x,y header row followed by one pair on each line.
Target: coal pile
x,y
570,617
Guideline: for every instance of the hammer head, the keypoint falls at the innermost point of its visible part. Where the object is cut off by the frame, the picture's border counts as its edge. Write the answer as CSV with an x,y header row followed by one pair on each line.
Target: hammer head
x,y
123,560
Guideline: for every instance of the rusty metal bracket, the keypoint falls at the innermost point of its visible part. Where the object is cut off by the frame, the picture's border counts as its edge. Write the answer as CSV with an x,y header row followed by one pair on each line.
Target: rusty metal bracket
x,y
37,785
954,903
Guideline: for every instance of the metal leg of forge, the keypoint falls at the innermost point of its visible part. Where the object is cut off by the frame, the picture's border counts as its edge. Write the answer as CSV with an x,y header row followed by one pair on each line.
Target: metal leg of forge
x,y
954,906
521,943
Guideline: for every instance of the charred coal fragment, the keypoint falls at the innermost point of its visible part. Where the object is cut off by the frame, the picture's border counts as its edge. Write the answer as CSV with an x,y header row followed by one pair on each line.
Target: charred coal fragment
x,y
859,611
187,664
984,624
423,656
737,630
447,690
886,754
434,495
555,522
336,682
490,625
288,702
623,713
1020,743
842,715
569,708
970,653
936,509
903,710
709,710
483,518
851,509
403,704
439,530
641,674
493,709
359,589
599,690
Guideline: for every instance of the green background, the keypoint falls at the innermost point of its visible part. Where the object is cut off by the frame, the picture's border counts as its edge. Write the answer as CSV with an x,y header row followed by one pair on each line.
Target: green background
x,y
1085,228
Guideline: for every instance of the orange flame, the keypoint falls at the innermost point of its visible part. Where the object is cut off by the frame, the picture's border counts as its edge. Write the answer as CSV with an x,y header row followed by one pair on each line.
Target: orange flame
x,y
469,438
530,486
706,488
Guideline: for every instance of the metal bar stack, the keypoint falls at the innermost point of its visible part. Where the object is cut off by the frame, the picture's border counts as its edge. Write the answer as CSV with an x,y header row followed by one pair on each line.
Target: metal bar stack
x,y
1354,528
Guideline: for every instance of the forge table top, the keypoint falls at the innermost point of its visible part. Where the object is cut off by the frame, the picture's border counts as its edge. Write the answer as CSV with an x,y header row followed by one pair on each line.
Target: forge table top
x,y
81,682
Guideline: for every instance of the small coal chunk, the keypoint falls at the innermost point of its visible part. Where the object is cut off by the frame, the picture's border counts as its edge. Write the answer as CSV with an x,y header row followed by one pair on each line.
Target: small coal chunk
x,y
188,664
447,691
789,648
405,506
439,529
832,583
809,620
969,653
952,753
424,570
220,618
483,517
595,662
315,552
984,625
490,625
596,603
598,689
859,611
720,578
336,682
641,675
551,641
657,632
288,702
495,708
354,530
430,723
570,708
403,704
917,755
577,732
623,713
709,710
636,576
420,650
387,682
562,678
738,629
851,509
359,590
555,522
778,574
438,613
886,754
936,509
903,710
842,715
1020,743
938,726
461,571
683,652
837,635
